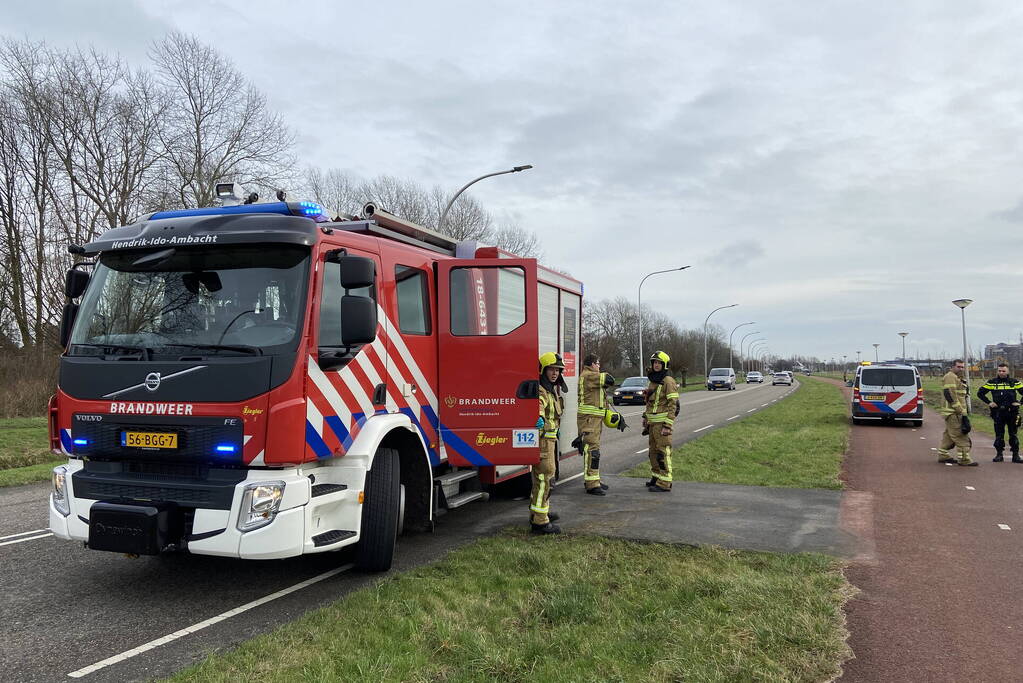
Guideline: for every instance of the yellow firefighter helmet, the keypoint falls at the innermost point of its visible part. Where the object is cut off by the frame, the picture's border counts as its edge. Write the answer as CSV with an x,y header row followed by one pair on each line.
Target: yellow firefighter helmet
x,y
661,356
551,359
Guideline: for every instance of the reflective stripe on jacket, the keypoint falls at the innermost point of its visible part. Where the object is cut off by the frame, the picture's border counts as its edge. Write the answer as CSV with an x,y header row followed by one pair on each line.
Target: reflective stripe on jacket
x,y
551,408
592,400
956,387
1004,391
661,400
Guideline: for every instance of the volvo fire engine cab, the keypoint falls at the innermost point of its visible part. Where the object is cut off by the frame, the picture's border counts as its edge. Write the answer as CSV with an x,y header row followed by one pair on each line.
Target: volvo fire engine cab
x,y
259,381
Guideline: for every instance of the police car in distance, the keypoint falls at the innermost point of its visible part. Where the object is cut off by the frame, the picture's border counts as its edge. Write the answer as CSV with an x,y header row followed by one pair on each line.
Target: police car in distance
x,y
632,390
887,392
754,376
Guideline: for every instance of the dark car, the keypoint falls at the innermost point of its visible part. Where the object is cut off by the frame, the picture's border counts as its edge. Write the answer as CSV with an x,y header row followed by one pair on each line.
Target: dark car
x,y
632,390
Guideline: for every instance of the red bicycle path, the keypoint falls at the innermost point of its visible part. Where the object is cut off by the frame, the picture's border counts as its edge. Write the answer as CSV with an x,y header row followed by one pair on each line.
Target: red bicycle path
x,y
940,597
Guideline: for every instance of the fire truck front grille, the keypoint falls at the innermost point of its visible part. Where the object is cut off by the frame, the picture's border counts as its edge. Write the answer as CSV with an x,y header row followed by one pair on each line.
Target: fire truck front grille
x,y
161,493
213,489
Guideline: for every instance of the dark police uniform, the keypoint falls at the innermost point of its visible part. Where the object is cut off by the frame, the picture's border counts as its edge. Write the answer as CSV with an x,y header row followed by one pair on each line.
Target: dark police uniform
x,y
1004,391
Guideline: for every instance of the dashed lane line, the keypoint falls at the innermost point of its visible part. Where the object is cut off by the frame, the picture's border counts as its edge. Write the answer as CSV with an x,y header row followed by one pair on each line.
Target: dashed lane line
x,y
702,428
732,417
970,488
643,451
188,630
1004,527
751,410
568,479
764,405
30,538
23,533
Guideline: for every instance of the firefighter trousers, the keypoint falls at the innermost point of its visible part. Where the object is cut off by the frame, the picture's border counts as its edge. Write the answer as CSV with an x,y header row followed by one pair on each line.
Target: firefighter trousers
x,y
1005,420
590,427
660,454
543,479
954,438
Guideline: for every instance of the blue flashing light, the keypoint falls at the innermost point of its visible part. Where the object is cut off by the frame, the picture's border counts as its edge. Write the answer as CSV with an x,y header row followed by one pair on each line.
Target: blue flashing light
x,y
81,442
226,448
271,207
307,208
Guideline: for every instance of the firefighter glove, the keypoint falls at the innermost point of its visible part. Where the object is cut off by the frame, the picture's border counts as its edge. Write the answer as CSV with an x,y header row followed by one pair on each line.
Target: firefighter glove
x,y
577,443
539,423
609,380
964,425
621,424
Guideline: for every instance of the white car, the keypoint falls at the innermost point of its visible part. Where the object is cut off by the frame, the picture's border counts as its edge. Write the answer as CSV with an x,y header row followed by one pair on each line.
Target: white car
x,y
754,376
782,377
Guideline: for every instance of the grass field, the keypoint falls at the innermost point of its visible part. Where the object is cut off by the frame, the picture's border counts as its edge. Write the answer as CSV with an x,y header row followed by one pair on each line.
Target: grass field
x,y
25,455
797,442
569,608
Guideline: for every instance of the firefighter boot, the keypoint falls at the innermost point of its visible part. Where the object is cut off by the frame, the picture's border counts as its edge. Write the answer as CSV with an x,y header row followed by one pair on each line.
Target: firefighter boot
x,y
544,529
998,457
1016,458
596,491
653,480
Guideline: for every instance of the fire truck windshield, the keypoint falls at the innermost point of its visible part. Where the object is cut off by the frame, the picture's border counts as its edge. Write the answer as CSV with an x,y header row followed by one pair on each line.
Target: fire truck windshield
x,y
176,302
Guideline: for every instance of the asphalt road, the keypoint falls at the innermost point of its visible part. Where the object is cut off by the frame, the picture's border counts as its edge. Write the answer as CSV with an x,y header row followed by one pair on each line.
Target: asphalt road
x,y
68,611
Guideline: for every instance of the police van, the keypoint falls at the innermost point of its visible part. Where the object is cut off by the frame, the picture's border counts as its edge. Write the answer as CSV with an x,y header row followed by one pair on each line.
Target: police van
x,y
887,392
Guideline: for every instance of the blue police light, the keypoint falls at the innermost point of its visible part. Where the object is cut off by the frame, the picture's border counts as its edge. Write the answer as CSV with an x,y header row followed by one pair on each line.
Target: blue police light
x,y
81,442
226,448
306,208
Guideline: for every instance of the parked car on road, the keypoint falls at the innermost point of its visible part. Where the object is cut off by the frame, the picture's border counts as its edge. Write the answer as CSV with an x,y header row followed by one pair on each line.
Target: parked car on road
x,y
721,378
754,376
783,377
632,390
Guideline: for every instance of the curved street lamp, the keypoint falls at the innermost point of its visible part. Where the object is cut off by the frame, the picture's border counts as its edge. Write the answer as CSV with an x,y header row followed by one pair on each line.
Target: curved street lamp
x,y
444,213
639,309
755,344
903,335
741,344
719,308
752,322
962,304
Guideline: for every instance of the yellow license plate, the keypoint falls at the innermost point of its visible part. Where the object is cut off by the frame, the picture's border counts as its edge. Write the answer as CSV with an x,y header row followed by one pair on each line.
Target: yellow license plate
x,y
149,440
874,397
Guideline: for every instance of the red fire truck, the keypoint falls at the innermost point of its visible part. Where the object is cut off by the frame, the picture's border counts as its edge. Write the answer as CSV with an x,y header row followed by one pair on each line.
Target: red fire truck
x,y
259,381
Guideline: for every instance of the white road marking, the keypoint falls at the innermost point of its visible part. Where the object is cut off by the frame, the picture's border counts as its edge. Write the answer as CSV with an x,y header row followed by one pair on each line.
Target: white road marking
x,y
751,410
970,488
188,630
642,451
23,533
1004,527
764,405
923,437
22,540
950,464
559,482
702,428
732,417
933,448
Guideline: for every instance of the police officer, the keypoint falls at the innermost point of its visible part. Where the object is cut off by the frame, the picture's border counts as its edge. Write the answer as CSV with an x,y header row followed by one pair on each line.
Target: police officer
x,y
552,405
658,420
593,385
1005,393
953,390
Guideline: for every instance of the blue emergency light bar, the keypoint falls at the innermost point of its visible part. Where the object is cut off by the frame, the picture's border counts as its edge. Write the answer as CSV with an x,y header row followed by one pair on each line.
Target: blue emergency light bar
x,y
226,448
304,209
81,442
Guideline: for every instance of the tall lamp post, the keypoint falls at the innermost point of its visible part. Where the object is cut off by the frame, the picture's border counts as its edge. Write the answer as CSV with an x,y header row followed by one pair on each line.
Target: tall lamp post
x,y
876,359
755,344
705,320
639,309
903,335
752,322
741,342
444,213
962,304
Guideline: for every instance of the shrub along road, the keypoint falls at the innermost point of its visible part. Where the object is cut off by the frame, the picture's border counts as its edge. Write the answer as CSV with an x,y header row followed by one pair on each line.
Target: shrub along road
x,y
110,607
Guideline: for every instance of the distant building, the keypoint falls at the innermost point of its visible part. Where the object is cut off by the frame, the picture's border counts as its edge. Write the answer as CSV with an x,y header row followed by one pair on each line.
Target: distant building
x,y
1004,353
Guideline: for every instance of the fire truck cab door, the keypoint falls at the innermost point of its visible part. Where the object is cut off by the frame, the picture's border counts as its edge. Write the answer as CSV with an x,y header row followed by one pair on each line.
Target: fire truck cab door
x,y
487,347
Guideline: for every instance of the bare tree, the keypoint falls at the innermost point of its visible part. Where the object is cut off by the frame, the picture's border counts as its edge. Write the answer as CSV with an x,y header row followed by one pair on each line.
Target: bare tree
x,y
336,190
219,127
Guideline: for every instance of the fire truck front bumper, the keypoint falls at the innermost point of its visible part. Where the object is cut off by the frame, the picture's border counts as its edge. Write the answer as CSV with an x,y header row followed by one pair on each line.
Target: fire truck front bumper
x,y
262,516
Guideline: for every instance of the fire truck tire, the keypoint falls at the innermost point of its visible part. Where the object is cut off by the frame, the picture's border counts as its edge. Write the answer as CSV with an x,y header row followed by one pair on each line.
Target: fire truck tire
x,y
380,513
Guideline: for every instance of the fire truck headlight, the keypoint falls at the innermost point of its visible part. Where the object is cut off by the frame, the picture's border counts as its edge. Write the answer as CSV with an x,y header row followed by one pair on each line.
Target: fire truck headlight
x,y
59,494
260,503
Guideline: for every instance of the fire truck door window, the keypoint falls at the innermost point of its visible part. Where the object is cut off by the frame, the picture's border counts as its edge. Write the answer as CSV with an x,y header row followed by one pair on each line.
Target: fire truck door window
x,y
547,301
413,300
330,323
487,301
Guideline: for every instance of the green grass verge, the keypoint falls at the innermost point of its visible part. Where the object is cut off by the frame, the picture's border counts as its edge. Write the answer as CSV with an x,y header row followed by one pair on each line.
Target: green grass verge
x,y
797,442
572,608
980,418
29,474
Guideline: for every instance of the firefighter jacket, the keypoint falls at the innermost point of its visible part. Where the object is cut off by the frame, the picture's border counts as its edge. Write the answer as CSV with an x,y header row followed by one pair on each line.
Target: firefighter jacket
x,y
953,390
552,405
661,401
1003,390
592,399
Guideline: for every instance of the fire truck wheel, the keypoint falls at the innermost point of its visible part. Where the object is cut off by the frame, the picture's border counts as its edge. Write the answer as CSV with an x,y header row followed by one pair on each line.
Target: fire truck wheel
x,y
380,513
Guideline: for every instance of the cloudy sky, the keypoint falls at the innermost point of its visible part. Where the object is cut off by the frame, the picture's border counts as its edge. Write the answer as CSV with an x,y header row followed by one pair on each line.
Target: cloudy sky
x,y
841,170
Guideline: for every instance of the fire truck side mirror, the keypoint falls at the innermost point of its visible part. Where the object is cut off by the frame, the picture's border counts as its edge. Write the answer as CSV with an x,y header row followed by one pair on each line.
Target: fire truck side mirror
x,y
357,272
67,321
75,283
359,320
528,388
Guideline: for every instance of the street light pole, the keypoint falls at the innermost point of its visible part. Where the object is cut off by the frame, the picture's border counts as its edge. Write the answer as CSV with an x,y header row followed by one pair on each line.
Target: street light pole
x,y
719,308
858,358
754,344
639,309
903,335
444,213
741,341
730,339
962,304
876,359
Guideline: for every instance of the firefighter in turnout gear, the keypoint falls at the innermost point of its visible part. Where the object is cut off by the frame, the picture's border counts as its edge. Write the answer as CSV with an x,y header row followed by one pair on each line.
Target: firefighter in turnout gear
x,y
953,408
1002,394
593,385
552,405
658,419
